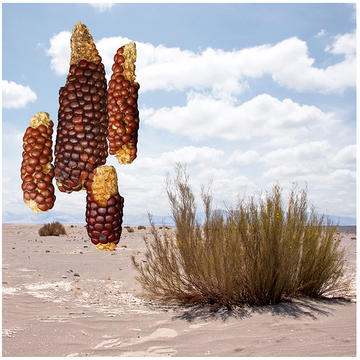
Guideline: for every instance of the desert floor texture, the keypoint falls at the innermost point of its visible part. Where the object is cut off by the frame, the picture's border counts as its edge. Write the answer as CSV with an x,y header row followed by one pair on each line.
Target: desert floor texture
x,y
62,297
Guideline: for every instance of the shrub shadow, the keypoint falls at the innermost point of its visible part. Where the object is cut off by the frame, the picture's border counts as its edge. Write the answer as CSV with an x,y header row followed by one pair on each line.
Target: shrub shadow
x,y
295,308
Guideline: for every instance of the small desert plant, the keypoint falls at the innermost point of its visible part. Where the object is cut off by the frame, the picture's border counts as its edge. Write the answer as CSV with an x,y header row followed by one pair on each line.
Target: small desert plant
x,y
52,229
256,254
129,229
141,227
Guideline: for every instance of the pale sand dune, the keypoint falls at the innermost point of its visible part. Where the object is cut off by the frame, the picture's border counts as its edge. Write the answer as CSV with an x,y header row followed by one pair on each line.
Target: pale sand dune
x,y
47,311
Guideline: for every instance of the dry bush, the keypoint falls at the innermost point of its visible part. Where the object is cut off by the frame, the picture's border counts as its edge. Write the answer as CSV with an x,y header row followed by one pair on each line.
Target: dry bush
x,y
141,227
129,229
255,254
52,229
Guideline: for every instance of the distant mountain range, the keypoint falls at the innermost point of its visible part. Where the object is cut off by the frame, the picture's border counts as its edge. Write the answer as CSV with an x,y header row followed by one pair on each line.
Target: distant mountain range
x,y
141,219
47,217
342,221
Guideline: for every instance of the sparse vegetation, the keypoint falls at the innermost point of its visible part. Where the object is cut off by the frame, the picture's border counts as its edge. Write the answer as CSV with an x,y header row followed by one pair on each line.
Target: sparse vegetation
x,y
52,229
258,253
129,229
141,227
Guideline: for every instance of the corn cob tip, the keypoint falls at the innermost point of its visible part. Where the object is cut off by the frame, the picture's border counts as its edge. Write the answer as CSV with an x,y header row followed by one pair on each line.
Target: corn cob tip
x,y
33,206
104,208
108,246
104,184
82,45
130,59
124,155
40,118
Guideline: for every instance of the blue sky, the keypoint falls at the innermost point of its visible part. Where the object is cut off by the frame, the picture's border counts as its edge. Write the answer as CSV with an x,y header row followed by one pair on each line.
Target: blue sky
x,y
248,95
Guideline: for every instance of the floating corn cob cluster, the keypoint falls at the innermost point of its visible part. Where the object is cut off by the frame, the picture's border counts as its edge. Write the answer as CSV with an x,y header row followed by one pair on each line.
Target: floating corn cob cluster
x,y
81,149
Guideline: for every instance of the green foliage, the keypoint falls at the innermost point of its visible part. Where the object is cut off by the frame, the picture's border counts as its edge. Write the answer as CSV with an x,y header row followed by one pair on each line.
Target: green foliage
x,y
255,254
52,229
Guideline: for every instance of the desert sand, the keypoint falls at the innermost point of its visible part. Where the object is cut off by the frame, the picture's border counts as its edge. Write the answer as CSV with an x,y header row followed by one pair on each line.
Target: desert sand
x,y
62,297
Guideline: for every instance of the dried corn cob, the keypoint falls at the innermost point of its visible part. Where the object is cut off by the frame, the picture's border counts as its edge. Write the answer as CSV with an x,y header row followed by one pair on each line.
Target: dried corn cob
x,y
104,208
81,143
122,105
37,172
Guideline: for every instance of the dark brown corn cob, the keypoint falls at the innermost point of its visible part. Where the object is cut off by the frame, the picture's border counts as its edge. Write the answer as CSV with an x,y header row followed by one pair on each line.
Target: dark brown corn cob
x,y
81,143
104,208
122,106
37,172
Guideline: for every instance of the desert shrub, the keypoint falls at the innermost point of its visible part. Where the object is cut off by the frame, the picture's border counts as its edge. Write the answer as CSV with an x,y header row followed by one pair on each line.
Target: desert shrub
x,y
255,254
129,229
141,227
52,229
322,262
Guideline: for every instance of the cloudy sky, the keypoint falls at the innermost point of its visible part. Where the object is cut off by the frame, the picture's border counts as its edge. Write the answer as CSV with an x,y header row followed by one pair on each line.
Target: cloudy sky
x,y
247,95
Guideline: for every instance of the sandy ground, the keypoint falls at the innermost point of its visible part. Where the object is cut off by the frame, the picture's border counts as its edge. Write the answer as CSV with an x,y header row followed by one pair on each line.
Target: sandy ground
x,y
62,297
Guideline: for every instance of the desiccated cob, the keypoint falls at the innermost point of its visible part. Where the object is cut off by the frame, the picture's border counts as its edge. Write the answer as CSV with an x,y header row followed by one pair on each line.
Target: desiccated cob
x,y
81,143
37,172
122,105
104,208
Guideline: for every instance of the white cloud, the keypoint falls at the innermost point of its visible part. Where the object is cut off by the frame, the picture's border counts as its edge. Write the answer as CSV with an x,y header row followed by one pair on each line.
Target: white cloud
x,y
284,172
227,185
292,67
243,158
319,167
102,7
59,51
264,115
194,157
321,33
16,95
287,62
313,152
341,176
309,161
343,45
13,138
143,183
346,157
171,68
330,191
